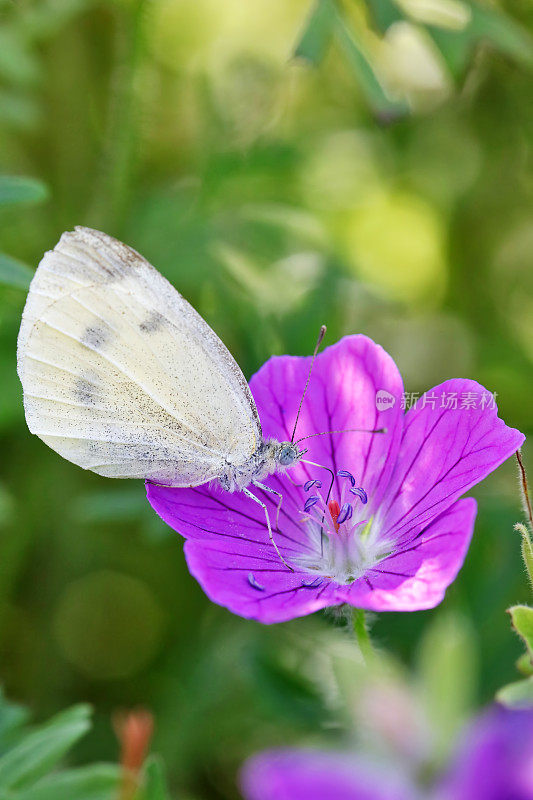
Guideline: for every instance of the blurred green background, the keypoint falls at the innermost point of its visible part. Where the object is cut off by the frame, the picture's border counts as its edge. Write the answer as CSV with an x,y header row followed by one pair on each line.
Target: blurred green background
x,y
383,184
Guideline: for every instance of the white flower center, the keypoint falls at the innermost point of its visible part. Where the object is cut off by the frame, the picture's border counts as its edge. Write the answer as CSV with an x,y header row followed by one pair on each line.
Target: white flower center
x,y
342,544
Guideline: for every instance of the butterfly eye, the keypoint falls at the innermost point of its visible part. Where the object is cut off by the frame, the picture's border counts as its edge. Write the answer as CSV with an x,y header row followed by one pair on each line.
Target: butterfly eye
x,y
287,454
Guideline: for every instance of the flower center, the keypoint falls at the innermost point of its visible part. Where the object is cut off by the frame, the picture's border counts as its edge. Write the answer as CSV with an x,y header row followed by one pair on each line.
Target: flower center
x,y
342,542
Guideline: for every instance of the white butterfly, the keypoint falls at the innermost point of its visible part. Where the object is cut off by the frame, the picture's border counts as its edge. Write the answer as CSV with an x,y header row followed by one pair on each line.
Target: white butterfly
x,y
123,377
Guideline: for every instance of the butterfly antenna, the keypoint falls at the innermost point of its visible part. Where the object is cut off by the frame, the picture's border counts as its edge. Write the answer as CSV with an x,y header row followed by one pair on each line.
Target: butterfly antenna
x,y
321,335
342,430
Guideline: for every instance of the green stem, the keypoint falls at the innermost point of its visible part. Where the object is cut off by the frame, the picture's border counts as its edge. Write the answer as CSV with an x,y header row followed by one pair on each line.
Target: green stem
x,y
362,635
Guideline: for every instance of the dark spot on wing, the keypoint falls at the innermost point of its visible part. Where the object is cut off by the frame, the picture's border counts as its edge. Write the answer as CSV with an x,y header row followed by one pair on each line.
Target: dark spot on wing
x,y
88,388
85,391
95,336
153,322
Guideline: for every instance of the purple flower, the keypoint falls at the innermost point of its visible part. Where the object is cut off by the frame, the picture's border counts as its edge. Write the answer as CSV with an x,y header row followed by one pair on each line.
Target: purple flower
x,y
494,761
319,775
390,535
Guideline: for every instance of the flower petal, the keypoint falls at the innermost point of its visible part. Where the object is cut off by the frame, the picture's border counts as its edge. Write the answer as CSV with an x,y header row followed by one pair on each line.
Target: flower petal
x,y
494,759
255,585
346,381
417,576
315,775
234,520
444,452
228,551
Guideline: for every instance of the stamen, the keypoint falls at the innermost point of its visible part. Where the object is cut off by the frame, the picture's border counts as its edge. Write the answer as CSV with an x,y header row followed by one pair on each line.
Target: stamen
x,y
360,493
343,543
254,583
345,513
312,584
343,473
310,502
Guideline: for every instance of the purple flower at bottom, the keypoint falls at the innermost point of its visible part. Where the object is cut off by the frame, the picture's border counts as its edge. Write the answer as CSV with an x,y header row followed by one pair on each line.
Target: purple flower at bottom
x,y
319,775
494,762
390,535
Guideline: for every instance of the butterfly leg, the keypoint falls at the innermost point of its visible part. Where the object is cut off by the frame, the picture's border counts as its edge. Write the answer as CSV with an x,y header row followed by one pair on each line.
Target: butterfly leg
x,y
272,491
253,497
287,475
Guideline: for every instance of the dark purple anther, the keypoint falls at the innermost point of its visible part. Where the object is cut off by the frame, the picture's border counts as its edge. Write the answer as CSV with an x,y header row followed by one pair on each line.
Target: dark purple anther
x,y
252,581
310,502
345,513
313,583
343,473
309,484
361,494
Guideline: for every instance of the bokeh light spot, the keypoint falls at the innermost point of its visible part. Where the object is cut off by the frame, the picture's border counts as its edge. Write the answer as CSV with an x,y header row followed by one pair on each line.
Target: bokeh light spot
x,y
396,242
108,625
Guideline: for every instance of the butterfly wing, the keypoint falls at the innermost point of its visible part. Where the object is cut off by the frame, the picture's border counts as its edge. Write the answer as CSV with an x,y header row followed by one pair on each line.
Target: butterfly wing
x,y
122,376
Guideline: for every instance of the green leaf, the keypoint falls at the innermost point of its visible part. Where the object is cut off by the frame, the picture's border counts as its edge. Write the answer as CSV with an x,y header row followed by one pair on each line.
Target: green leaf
x,y
384,13
155,784
517,695
507,35
97,782
522,622
12,717
524,665
40,751
455,46
326,23
16,190
14,272
357,60
486,24
317,33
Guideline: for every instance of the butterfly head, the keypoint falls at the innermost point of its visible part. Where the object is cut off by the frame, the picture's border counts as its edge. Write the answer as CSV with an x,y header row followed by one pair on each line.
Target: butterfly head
x,y
288,454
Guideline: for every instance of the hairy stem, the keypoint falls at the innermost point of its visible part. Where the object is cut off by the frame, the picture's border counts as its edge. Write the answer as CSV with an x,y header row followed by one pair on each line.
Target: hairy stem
x,y
362,635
